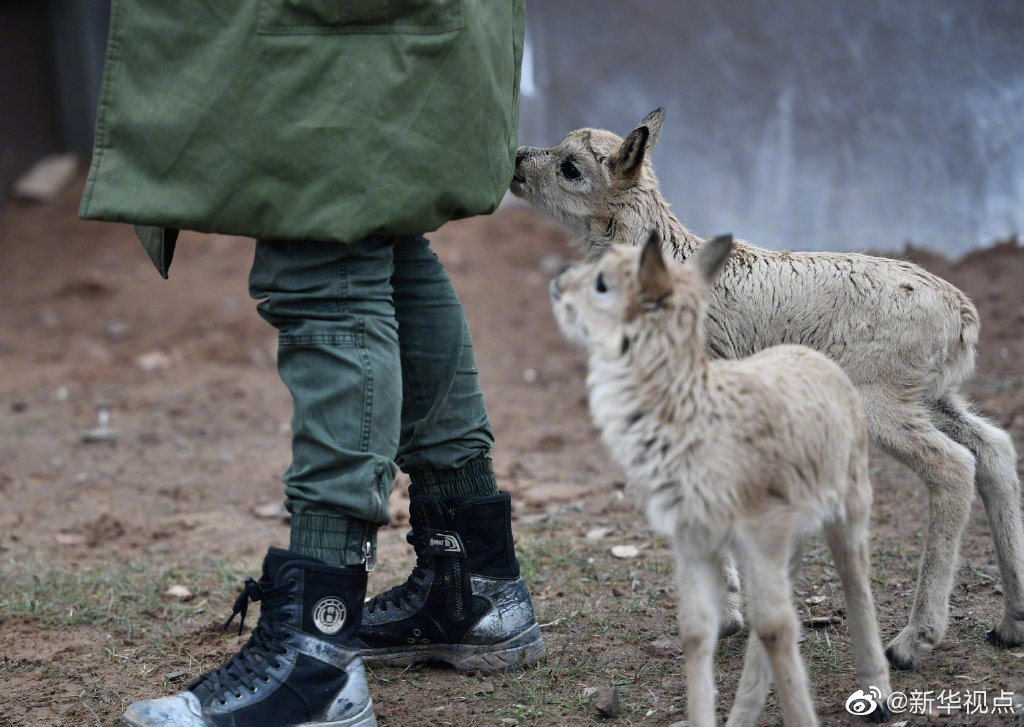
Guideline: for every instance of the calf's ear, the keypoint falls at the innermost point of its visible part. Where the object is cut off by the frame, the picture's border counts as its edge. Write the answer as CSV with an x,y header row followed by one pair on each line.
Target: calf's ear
x,y
711,256
626,162
653,122
652,273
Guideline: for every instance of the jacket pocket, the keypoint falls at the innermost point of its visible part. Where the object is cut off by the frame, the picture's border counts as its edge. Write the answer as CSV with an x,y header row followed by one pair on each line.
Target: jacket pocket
x,y
341,17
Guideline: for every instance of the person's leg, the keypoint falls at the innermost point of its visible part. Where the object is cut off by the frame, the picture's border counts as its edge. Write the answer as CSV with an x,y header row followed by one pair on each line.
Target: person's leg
x,y
446,436
338,356
464,602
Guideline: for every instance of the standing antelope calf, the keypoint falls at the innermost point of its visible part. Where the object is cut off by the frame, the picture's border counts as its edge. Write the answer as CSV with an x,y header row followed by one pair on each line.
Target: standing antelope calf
x,y
905,338
744,456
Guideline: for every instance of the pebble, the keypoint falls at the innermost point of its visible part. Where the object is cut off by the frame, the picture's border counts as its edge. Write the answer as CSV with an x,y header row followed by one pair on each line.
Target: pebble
x,y
115,329
666,645
99,434
607,702
625,551
179,592
153,360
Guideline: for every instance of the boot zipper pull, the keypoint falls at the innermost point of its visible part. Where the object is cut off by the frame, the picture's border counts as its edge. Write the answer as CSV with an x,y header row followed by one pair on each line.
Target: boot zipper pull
x,y
368,558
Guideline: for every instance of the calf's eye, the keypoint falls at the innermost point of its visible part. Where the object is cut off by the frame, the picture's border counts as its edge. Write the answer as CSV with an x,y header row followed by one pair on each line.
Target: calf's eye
x,y
570,170
599,285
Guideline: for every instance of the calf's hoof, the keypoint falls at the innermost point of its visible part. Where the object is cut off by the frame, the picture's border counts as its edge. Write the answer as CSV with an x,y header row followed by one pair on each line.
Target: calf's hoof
x,y
901,658
880,714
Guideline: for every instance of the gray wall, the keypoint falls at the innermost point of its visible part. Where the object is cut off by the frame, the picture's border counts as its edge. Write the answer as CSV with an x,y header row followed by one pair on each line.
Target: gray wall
x,y
824,124
51,61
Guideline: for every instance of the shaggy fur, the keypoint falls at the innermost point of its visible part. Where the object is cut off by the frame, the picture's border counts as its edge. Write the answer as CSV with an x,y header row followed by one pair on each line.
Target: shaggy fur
x,y
741,456
905,338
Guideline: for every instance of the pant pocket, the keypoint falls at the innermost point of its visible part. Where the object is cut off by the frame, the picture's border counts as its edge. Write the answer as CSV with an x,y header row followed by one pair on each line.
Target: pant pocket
x,y
339,17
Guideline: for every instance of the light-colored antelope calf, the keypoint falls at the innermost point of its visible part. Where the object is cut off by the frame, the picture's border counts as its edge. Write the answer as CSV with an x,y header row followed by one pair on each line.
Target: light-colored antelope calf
x,y
905,338
744,456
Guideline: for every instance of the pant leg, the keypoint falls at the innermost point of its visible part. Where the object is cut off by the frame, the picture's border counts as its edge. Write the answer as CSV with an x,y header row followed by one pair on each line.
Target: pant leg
x,y
445,433
338,355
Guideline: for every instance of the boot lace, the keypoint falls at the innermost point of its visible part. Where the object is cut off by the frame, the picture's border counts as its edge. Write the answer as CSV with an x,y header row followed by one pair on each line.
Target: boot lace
x,y
260,653
400,594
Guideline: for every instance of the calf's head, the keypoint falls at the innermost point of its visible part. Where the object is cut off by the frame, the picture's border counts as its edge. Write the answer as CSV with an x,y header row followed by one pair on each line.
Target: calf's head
x,y
586,177
605,304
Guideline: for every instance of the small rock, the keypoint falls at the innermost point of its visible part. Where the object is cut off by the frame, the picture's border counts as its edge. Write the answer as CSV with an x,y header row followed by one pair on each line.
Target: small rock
x,y
530,375
99,434
69,539
153,360
485,688
115,329
607,702
179,592
681,723
815,600
509,722
665,645
625,551
61,393
590,692
175,676
46,178
102,432
598,533
271,511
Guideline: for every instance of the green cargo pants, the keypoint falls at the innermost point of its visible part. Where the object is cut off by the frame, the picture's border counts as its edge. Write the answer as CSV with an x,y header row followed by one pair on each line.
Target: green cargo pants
x,y
375,350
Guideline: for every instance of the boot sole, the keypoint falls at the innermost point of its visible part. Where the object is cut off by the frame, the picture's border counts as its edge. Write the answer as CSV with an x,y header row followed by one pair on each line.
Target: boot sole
x,y
519,651
365,718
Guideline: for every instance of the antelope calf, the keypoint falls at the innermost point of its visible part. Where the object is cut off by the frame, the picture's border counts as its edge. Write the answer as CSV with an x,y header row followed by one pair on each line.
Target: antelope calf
x,y
743,457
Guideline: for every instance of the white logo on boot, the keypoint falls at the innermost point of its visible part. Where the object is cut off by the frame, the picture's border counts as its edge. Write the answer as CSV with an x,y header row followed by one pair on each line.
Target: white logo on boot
x,y
329,615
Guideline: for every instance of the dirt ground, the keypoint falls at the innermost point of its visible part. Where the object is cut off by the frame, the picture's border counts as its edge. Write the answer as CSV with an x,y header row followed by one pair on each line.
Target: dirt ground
x,y
143,426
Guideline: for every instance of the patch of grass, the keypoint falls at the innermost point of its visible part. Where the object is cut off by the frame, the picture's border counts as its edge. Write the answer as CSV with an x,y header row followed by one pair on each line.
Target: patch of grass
x,y
123,599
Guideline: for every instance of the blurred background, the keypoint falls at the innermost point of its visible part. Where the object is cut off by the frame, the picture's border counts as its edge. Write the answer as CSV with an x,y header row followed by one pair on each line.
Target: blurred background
x,y
812,124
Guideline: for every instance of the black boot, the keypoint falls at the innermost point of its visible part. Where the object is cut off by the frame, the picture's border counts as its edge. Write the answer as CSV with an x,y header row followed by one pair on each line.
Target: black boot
x,y
464,603
298,668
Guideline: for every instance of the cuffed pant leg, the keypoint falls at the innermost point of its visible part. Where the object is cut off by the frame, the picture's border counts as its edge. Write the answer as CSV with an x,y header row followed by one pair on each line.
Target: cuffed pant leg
x,y
446,436
339,357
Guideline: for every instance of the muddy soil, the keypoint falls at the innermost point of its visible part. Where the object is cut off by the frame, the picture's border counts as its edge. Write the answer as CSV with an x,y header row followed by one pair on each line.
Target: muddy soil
x,y
143,425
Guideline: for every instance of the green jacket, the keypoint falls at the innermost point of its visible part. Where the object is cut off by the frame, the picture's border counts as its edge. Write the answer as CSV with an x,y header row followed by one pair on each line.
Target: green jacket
x,y
304,119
